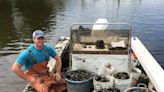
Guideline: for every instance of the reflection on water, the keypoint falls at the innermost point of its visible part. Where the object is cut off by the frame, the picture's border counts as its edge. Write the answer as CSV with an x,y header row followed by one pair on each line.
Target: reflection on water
x,y
18,19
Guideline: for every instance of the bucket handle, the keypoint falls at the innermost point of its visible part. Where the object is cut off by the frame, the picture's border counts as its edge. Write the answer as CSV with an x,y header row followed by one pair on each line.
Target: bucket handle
x,y
98,87
141,85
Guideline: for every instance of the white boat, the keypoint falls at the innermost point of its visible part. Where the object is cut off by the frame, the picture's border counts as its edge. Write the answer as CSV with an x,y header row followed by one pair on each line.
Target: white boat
x,y
108,50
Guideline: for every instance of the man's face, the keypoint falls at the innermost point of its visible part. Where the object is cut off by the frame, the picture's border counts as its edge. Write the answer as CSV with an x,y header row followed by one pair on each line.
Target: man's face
x,y
39,41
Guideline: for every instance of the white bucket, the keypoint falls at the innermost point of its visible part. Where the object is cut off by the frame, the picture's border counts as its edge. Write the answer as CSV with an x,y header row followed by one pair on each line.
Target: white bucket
x,y
136,73
123,84
99,84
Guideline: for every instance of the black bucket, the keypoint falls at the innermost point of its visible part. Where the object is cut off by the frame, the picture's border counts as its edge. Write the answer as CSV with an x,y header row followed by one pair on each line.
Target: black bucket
x,y
79,86
100,44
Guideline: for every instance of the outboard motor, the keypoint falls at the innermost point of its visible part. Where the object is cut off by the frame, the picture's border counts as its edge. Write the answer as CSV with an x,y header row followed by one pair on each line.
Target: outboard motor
x,y
100,44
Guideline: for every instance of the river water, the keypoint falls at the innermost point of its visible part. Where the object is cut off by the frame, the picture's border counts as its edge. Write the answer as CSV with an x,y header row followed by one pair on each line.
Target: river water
x,y
18,19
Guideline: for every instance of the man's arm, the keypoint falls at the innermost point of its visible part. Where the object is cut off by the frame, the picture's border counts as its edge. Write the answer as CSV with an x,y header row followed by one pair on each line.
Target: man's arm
x,y
58,67
16,68
58,64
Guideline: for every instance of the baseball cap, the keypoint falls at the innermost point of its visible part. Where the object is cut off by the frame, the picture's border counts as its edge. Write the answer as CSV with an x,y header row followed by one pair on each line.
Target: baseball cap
x,y
38,33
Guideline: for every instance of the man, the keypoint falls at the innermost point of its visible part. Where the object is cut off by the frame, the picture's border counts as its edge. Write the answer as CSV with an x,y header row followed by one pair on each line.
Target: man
x,y
34,61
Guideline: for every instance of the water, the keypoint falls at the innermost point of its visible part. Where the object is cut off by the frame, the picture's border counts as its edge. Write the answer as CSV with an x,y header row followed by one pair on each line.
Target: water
x,y
18,19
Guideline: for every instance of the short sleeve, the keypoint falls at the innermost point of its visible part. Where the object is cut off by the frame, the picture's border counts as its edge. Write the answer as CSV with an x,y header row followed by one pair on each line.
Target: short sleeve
x,y
22,58
51,51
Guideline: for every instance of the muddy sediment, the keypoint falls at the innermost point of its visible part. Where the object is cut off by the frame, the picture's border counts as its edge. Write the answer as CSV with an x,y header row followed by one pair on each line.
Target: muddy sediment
x,y
121,75
104,90
78,75
101,79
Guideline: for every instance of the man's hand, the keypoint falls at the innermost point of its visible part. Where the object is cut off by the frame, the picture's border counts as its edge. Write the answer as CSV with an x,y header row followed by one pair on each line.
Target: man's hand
x,y
58,77
31,79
